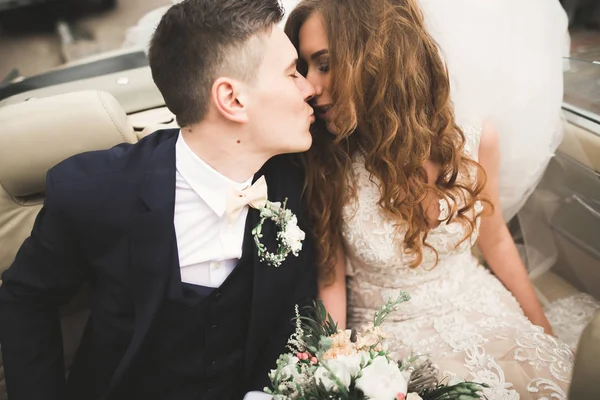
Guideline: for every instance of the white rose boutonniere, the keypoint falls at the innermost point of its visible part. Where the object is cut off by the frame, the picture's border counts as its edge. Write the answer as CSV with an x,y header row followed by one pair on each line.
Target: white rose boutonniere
x,y
293,236
289,235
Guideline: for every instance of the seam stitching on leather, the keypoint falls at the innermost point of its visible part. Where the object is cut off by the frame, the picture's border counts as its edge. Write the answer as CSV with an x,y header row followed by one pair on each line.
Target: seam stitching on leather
x,y
14,198
110,116
7,192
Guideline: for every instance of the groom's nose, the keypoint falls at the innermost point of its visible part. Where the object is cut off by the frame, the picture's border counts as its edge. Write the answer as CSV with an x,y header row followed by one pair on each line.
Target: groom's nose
x,y
308,90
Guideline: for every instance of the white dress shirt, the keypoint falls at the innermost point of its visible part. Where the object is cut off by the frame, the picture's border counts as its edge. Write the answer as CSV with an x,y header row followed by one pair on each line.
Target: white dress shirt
x,y
209,247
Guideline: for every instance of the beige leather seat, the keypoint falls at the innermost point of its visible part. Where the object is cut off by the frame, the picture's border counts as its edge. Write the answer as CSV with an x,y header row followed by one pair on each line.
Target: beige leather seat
x,y
34,136
134,89
586,372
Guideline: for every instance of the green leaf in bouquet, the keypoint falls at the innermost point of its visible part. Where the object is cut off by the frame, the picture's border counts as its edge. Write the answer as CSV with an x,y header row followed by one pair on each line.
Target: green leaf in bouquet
x,y
316,322
460,391
389,307
331,325
312,334
325,344
325,320
409,362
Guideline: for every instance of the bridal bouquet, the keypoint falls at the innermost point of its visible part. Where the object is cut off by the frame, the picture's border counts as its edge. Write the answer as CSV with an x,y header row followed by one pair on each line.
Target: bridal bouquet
x,y
327,363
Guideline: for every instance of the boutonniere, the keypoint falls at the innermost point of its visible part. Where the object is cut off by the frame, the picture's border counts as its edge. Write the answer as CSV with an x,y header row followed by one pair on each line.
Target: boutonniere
x,y
289,235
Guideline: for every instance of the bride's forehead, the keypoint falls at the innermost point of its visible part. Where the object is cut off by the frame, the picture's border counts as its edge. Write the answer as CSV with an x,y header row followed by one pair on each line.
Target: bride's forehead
x,y
312,36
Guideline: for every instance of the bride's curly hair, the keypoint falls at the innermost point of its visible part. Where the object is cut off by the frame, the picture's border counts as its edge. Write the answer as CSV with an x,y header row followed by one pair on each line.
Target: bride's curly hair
x,y
391,97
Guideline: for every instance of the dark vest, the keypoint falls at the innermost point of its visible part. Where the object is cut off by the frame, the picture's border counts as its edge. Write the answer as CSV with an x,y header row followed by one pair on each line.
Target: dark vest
x,y
195,349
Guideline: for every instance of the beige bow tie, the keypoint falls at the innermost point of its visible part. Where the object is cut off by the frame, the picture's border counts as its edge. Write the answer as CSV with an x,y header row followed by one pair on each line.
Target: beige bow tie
x,y
255,196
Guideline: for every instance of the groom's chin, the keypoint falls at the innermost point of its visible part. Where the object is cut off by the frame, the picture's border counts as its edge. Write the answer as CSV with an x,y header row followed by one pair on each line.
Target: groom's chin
x,y
306,143
301,144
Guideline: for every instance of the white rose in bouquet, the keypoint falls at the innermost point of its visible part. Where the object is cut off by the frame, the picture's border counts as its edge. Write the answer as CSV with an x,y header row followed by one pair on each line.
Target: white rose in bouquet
x,y
290,371
322,376
382,380
354,362
340,371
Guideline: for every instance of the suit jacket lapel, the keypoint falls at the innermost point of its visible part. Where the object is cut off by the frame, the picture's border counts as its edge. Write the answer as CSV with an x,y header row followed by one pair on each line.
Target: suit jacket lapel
x,y
153,246
269,283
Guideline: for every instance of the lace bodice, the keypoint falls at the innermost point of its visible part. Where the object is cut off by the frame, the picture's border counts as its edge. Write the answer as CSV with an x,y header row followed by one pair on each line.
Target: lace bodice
x,y
459,314
374,239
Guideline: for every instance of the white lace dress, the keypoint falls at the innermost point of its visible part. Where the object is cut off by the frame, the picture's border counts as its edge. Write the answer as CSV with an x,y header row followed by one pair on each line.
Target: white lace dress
x,y
460,314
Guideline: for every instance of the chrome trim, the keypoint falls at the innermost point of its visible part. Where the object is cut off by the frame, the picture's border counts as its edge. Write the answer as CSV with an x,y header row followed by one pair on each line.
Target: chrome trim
x,y
582,118
585,205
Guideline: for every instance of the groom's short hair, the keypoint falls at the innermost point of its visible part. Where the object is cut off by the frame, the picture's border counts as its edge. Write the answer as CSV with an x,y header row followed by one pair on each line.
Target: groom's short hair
x,y
197,41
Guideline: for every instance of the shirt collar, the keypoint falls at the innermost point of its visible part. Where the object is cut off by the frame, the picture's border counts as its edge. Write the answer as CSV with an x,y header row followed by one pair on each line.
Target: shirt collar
x,y
208,183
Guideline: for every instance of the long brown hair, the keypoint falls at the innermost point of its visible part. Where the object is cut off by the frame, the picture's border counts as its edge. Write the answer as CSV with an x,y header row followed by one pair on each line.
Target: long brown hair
x,y
391,97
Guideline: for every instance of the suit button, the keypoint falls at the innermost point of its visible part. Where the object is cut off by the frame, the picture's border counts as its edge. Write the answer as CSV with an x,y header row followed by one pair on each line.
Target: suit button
x,y
217,295
215,326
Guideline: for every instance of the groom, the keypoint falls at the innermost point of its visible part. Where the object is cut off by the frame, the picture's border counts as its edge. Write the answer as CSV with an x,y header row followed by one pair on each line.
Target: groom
x,y
182,306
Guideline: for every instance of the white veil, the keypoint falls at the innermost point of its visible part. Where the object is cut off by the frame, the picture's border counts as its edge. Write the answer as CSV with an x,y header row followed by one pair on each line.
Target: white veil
x,y
504,58
139,35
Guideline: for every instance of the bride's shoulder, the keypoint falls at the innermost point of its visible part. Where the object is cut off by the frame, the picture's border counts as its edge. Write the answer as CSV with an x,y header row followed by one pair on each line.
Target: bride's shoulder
x,y
480,136
472,131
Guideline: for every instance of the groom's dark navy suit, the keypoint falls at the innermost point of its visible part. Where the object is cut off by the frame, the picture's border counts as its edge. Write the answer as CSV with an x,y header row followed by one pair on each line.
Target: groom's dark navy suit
x,y
107,221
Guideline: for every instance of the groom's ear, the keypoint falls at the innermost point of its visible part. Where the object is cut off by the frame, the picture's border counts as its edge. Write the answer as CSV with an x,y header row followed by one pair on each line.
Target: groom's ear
x,y
226,94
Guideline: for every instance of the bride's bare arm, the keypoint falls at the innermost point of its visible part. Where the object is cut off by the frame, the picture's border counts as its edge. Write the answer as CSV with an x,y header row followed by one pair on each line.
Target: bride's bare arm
x,y
333,293
495,241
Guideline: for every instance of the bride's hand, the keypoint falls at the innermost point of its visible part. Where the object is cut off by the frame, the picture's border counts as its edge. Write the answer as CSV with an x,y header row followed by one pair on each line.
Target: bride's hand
x,y
541,320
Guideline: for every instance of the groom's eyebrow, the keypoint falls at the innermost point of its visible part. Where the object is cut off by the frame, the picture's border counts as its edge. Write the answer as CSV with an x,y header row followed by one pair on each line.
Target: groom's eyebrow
x,y
318,54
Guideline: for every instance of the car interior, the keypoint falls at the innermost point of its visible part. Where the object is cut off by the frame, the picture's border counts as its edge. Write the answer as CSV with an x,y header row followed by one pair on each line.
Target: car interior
x,y
48,118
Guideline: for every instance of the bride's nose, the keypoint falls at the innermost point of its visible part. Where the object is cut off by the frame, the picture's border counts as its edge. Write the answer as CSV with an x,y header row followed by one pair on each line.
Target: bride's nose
x,y
316,81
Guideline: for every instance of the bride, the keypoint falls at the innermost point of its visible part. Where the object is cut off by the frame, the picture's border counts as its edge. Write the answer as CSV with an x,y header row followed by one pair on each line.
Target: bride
x,y
402,190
